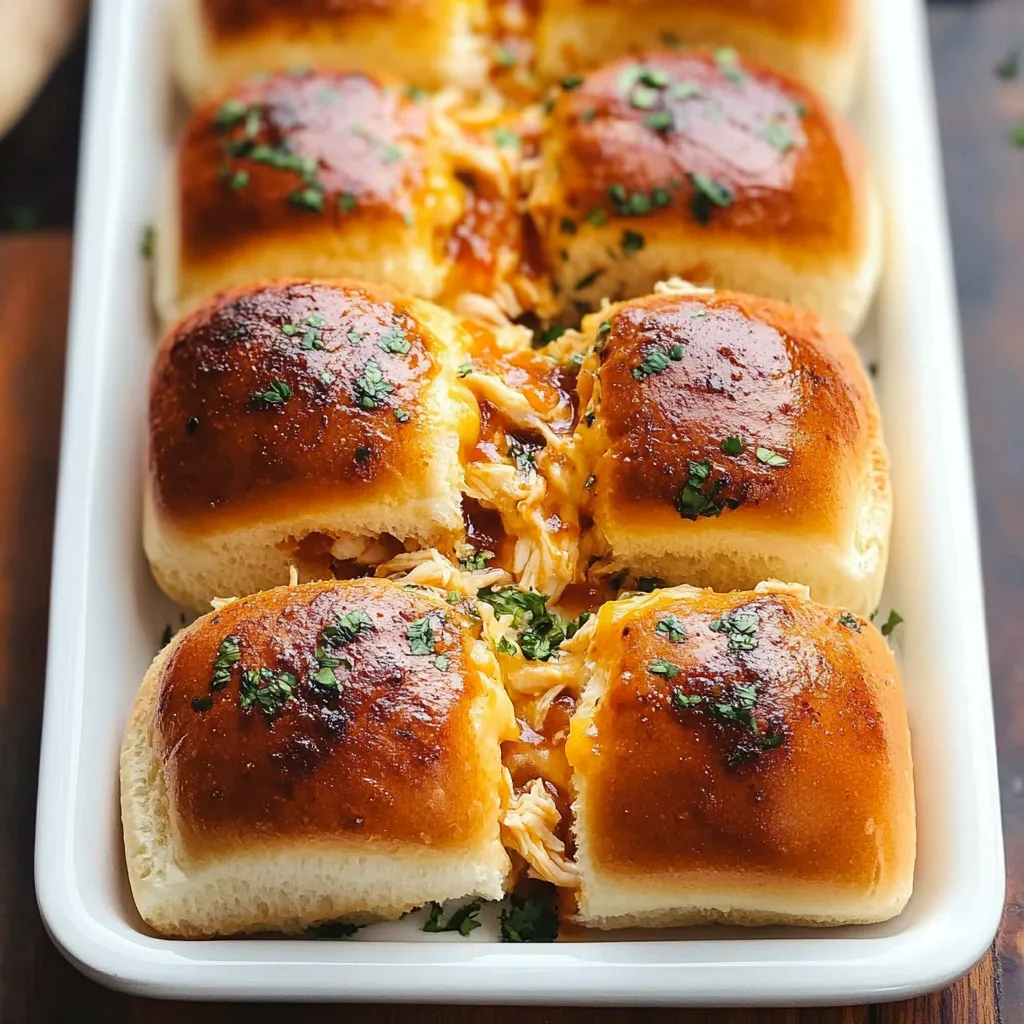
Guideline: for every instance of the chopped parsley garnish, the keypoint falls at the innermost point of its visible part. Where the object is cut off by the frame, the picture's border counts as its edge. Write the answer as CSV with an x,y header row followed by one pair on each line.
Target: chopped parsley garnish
x,y
891,622
506,58
232,112
698,496
628,204
643,97
202,703
597,217
733,705
346,202
526,920
268,690
659,121
508,139
658,360
441,663
394,342
478,560
740,628
685,90
420,634
540,630
308,199
671,628
552,334
372,387
632,241
727,60
338,634
732,445
604,328
522,456
276,394
671,40
708,193
571,82
778,135
462,920
663,668
228,654
464,370
235,179
770,458
588,115
849,621
401,415
147,242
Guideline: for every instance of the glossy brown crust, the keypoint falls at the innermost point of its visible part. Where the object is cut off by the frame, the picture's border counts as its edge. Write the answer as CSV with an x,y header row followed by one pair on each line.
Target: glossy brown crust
x,y
669,790
810,19
231,17
365,138
392,758
772,375
220,455
803,190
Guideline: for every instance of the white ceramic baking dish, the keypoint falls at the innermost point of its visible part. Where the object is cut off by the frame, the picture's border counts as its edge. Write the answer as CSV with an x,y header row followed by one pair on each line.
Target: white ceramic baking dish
x,y
107,617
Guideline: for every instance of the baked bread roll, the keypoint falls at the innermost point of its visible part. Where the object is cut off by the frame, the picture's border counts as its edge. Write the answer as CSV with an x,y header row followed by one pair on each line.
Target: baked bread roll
x,y
346,175
314,753
818,42
700,166
309,424
740,758
727,439
218,42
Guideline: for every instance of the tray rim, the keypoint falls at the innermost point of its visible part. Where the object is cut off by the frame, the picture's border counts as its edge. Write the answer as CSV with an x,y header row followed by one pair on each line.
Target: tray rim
x,y
722,972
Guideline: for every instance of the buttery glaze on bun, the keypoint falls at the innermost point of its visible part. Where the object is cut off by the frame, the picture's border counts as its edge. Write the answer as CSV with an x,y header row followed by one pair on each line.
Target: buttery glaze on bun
x,y
314,753
305,424
740,758
818,42
700,166
433,43
728,439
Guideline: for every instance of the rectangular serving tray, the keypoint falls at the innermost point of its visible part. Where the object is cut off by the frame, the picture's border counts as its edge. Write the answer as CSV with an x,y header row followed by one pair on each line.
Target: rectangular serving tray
x,y
107,616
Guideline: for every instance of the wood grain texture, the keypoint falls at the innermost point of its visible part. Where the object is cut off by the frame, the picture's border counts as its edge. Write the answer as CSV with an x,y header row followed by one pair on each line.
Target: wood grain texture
x,y
986,188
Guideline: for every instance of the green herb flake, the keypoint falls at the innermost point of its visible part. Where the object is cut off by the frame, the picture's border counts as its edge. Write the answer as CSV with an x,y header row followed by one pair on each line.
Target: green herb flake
x,y
148,242
671,628
659,121
232,112
663,668
552,334
308,199
441,663
567,226
740,628
476,561
685,700
1010,66
522,456
528,920
462,920
228,655
891,622
732,445
276,394
685,90
401,415
420,634
671,40
372,387
770,458
571,82
540,631
394,342
588,115
587,280
505,138
464,370
727,60
597,218
346,202
779,136
632,242
850,622
708,194
506,58
658,360
643,98
267,690
202,703
699,495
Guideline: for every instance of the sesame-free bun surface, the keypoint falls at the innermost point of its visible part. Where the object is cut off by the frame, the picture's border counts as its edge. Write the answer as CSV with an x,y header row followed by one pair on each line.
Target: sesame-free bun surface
x,y
355,802
731,439
716,171
798,810
305,174
817,42
429,42
363,444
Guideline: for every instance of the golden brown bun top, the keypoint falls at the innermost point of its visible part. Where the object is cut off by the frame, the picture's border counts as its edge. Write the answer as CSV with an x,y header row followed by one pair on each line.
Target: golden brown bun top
x,y
633,141
285,395
229,17
790,756
300,152
806,19
391,754
775,377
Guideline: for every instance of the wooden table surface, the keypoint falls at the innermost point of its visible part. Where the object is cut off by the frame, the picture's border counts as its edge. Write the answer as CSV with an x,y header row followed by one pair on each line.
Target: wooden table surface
x,y
985,178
